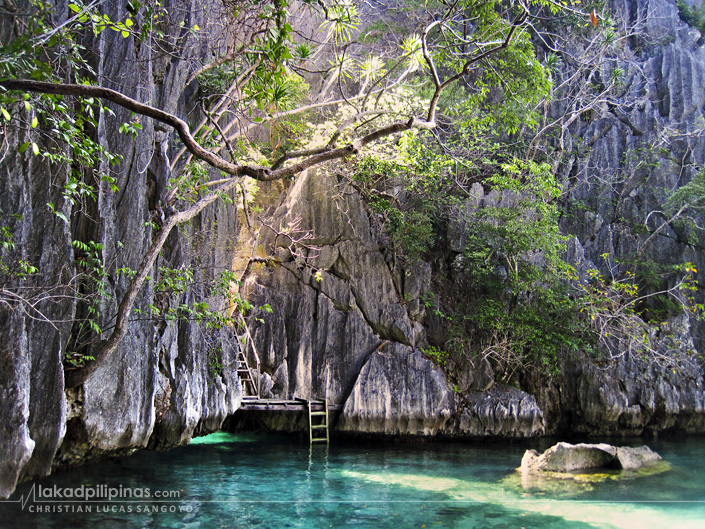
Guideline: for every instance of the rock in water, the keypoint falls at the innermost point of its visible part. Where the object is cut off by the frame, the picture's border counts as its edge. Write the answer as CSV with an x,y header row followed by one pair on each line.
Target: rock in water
x,y
566,457
637,457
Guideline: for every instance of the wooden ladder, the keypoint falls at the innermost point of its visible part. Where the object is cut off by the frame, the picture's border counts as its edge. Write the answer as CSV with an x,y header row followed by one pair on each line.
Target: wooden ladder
x,y
247,377
318,421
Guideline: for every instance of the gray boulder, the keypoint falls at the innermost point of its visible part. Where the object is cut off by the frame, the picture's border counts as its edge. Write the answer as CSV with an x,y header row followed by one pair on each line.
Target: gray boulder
x,y
637,457
565,457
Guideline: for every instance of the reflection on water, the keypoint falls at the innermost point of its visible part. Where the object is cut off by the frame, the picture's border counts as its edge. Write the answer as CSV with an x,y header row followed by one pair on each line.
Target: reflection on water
x,y
226,480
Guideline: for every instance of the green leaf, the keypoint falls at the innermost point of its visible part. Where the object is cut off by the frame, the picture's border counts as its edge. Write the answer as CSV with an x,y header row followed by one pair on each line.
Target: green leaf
x,y
75,244
27,106
196,28
125,34
5,113
22,148
35,122
35,148
74,8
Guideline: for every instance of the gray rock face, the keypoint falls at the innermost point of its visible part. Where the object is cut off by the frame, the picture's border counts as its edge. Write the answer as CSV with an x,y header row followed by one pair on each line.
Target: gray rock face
x,y
635,163
159,387
627,397
477,375
566,457
502,411
629,458
317,339
398,392
15,438
628,172
353,336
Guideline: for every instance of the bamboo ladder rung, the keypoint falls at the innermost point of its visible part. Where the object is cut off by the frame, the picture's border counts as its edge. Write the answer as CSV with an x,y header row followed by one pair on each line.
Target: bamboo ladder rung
x,y
316,428
247,376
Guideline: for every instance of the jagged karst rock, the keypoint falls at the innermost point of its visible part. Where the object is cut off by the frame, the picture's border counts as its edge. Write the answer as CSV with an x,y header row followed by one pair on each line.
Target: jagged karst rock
x,y
317,339
629,396
159,388
358,328
415,281
566,457
474,375
125,404
501,411
665,85
14,380
354,330
398,392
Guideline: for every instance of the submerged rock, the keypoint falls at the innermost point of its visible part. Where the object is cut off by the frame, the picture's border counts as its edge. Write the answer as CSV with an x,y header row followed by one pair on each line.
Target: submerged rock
x,y
566,457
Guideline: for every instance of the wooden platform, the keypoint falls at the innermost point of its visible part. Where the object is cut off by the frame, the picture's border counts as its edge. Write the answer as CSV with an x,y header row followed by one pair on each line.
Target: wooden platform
x,y
317,410
250,404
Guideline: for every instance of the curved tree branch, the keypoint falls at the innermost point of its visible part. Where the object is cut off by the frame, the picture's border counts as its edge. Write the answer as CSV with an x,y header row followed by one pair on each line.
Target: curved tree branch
x,y
259,173
107,347
310,158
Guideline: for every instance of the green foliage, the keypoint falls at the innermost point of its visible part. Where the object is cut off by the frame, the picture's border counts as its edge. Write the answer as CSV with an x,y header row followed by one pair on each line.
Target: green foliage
x,y
11,270
654,301
518,309
503,91
60,129
410,226
693,16
541,323
222,308
520,233
92,292
131,128
271,83
376,30
189,183
341,20
77,360
687,200
215,359
439,357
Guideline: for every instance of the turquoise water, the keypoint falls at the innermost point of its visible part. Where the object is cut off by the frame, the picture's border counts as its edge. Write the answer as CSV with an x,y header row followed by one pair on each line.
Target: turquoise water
x,y
248,480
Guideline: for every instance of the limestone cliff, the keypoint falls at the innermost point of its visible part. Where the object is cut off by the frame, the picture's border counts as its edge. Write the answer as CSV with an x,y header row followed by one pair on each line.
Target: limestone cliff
x,y
640,158
160,387
347,326
362,311
346,323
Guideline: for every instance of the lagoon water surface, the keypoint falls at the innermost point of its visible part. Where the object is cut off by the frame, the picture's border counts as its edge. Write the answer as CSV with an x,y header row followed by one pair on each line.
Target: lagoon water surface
x,y
267,481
